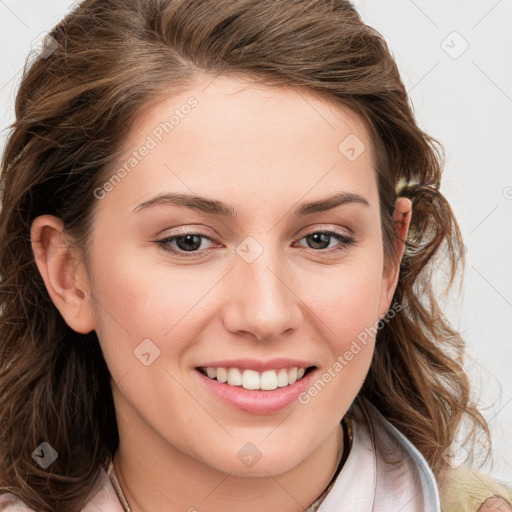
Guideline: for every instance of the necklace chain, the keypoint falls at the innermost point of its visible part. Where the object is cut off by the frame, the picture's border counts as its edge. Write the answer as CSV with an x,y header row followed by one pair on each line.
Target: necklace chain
x,y
113,478
312,508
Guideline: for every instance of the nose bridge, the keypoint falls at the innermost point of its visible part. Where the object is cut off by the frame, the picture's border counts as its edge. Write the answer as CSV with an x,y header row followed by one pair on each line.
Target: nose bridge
x,y
263,303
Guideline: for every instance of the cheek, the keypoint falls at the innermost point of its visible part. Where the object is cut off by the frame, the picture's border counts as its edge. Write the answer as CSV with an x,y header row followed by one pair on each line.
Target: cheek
x,y
347,306
347,299
135,300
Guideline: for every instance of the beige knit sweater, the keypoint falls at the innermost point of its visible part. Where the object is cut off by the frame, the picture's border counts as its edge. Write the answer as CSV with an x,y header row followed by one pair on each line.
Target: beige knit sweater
x,y
466,490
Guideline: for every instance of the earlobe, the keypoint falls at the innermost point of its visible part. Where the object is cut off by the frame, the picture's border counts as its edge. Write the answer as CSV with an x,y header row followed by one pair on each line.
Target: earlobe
x,y
62,272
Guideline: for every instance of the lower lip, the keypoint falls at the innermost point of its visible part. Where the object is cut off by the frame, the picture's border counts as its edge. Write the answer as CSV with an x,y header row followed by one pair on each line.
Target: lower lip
x,y
258,401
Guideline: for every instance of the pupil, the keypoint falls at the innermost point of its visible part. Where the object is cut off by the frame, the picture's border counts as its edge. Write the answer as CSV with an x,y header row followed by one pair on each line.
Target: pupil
x,y
189,239
317,239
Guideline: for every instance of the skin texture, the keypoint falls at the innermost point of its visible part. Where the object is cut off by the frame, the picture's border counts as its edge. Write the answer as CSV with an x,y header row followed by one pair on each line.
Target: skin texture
x,y
495,504
261,150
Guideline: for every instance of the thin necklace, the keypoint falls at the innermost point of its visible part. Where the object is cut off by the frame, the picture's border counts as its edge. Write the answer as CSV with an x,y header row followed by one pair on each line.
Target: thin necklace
x,y
342,457
113,478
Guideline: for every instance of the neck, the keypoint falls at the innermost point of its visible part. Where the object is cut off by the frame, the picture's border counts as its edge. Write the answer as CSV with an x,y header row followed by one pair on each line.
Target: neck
x,y
156,476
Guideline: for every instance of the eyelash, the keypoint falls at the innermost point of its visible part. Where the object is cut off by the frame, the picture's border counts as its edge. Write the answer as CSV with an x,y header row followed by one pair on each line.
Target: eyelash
x,y
163,243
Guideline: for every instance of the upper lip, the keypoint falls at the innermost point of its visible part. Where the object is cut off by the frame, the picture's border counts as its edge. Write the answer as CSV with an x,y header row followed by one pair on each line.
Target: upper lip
x,y
259,365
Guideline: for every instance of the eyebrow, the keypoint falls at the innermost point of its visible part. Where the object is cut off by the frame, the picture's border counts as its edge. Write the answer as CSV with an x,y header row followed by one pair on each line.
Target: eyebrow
x,y
214,207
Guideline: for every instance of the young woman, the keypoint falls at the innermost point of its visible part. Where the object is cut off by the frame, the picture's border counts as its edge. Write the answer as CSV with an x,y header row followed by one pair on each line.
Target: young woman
x,y
219,223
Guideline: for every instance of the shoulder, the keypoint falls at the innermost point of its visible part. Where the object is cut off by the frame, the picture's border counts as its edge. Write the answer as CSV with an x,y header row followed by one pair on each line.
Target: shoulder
x,y
9,503
467,490
104,499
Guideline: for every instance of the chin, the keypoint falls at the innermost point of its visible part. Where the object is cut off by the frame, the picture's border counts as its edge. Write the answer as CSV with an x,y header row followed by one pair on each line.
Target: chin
x,y
248,460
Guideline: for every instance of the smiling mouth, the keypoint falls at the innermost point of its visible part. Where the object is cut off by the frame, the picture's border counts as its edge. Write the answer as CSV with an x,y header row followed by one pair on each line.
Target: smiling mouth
x,y
254,380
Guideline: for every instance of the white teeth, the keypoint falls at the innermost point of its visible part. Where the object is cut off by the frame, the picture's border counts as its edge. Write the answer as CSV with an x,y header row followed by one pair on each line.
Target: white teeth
x,y
268,380
251,379
282,378
222,375
234,377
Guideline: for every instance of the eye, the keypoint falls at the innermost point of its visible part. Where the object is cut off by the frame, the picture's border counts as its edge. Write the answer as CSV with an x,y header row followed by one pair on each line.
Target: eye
x,y
190,243
185,242
319,239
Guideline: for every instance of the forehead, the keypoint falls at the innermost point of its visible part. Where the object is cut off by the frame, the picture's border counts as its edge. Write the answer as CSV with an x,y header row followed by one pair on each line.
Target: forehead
x,y
234,140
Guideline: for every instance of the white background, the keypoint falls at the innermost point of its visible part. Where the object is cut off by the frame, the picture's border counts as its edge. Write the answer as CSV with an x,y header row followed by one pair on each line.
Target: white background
x,y
464,99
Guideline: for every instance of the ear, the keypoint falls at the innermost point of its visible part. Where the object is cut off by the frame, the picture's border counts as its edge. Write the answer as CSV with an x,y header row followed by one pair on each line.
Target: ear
x,y
63,272
402,220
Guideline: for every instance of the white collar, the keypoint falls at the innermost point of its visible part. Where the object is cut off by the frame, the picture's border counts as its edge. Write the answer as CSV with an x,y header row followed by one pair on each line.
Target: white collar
x,y
384,472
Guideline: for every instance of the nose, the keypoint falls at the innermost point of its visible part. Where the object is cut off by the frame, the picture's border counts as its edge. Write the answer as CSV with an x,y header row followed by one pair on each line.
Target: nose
x,y
262,302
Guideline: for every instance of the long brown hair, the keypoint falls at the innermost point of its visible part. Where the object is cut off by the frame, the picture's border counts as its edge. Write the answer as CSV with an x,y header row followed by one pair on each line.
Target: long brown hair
x,y
107,61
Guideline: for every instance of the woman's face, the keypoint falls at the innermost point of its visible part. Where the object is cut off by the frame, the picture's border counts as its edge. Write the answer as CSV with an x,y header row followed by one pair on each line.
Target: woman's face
x,y
256,286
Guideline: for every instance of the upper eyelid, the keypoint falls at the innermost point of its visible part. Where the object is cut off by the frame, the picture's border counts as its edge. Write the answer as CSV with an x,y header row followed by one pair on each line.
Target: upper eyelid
x,y
345,230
